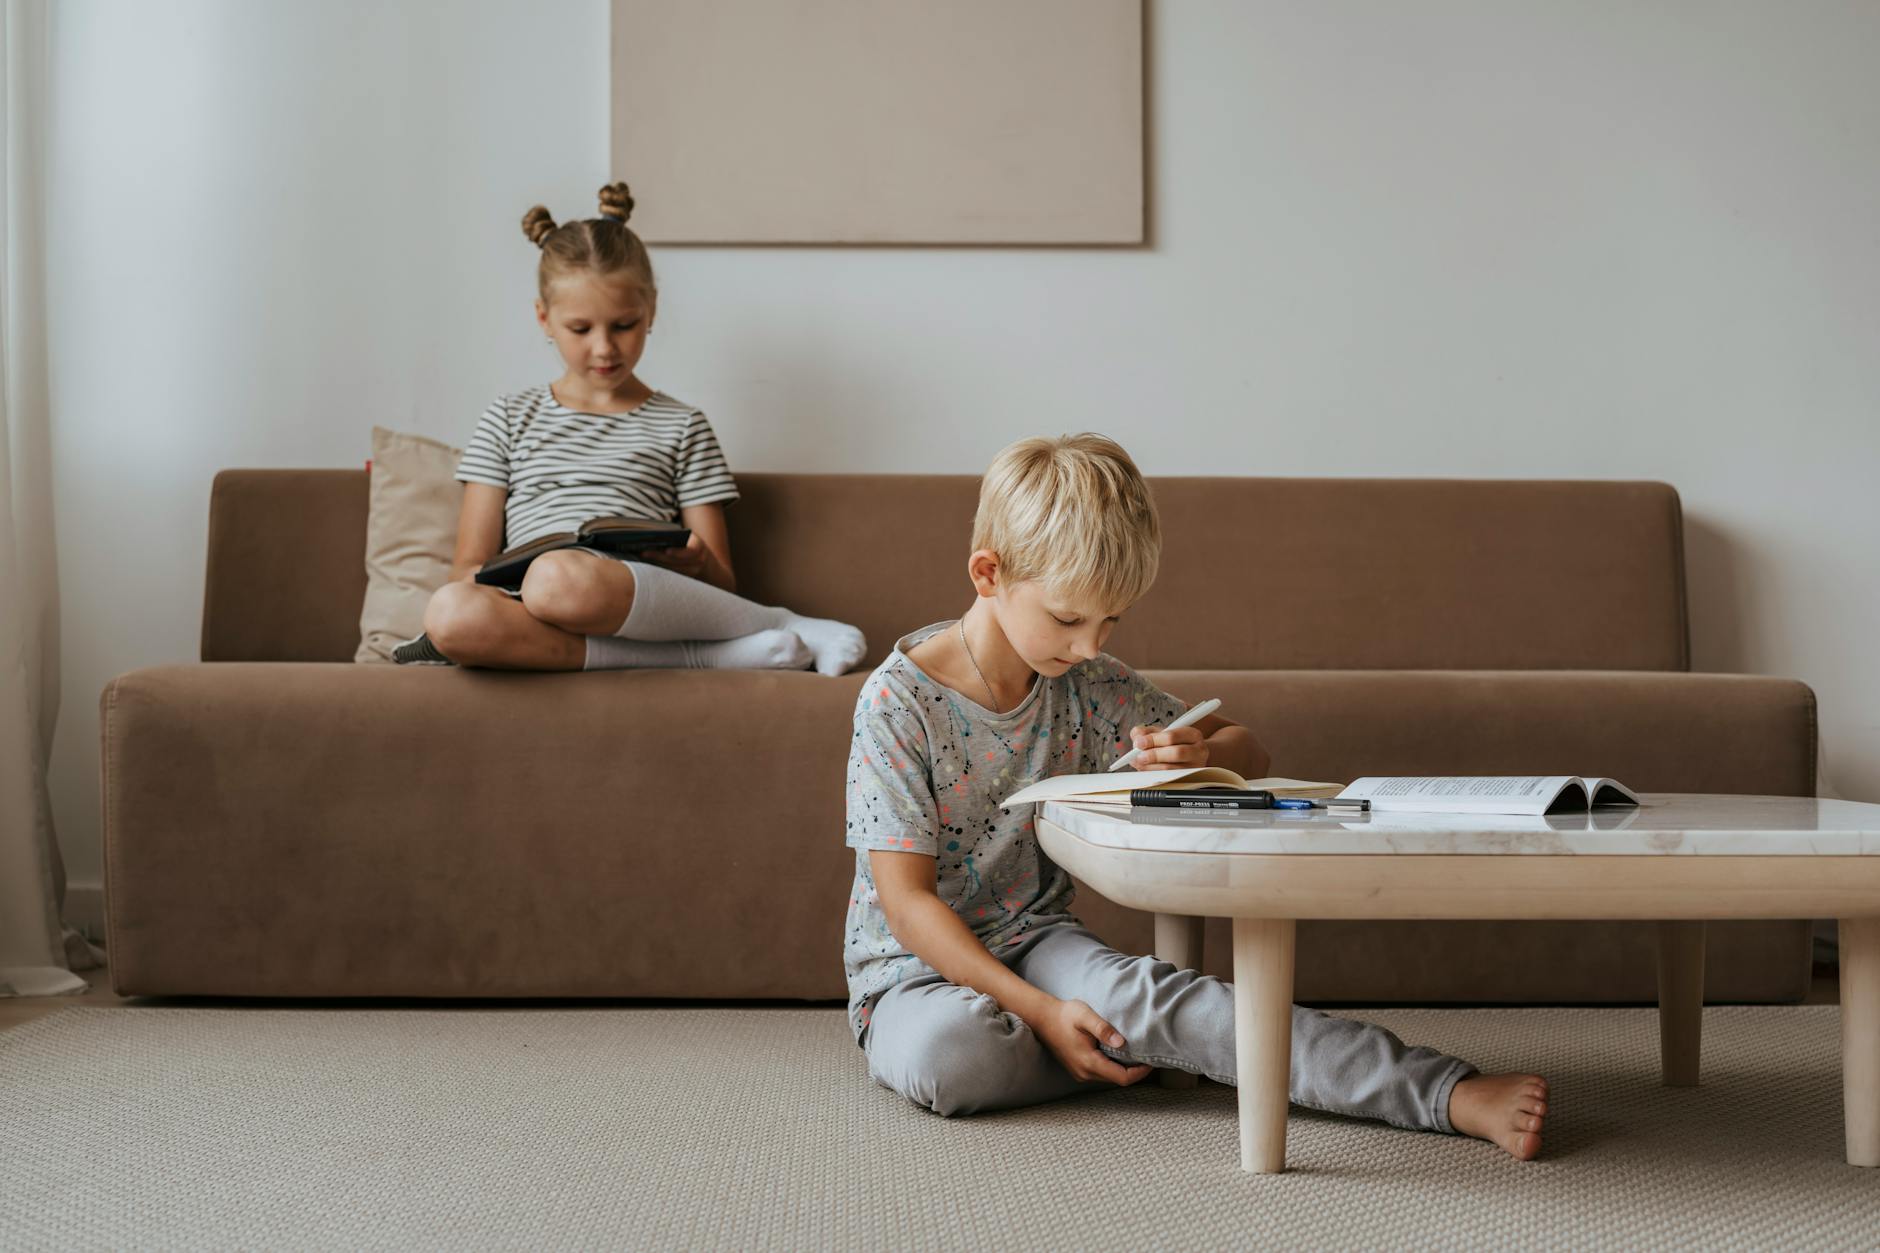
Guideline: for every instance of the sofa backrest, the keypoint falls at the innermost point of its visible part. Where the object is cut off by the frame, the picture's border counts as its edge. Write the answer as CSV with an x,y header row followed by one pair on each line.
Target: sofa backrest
x,y
1257,573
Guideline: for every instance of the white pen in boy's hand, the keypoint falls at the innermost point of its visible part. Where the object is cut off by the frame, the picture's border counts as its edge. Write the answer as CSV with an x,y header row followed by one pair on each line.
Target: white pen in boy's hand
x,y
1194,715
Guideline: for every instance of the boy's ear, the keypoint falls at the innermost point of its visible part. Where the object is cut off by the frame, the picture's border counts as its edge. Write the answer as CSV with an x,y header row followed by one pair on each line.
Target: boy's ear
x,y
983,569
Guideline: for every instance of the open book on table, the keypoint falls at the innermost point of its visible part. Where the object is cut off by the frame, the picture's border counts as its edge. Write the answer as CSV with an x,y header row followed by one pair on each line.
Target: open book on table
x,y
1113,788
1488,794
1461,827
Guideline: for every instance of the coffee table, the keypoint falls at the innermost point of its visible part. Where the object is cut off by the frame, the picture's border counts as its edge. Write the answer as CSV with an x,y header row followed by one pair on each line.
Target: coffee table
x,y
1681,859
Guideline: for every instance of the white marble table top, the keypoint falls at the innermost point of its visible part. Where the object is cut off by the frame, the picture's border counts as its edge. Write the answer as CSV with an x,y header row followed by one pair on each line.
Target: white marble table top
x,y
1685,823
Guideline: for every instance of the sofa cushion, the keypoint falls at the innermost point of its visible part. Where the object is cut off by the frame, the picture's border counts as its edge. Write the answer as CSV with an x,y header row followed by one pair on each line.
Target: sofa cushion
x,y
269,830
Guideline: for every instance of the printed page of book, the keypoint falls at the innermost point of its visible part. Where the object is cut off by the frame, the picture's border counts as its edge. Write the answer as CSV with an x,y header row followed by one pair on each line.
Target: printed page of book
x,y
1461,794
1459,824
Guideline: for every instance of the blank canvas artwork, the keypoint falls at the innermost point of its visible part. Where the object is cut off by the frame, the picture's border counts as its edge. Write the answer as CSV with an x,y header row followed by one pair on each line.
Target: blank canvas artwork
x,y
880,121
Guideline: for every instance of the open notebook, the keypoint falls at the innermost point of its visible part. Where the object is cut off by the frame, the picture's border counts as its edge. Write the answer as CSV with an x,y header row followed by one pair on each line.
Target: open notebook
x,y
1114,789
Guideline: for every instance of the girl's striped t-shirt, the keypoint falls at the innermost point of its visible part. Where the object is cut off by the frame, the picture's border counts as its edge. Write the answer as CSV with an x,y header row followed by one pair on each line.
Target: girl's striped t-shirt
x,y
563,467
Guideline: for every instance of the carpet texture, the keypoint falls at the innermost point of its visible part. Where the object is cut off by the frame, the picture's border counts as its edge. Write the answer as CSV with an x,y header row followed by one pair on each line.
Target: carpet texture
x,y
759,1128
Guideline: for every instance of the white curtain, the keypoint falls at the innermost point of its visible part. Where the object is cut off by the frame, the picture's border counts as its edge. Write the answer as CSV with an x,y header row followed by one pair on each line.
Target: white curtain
x,y
37,952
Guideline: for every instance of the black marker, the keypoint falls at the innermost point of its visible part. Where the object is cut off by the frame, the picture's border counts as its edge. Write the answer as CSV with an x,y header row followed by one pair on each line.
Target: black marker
x,y
1201,798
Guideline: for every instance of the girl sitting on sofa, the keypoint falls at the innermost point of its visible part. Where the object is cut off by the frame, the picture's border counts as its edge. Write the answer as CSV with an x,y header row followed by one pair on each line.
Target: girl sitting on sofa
x,y
598,442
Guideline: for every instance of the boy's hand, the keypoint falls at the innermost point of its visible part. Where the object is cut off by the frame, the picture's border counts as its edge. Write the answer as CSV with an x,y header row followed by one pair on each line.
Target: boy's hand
x,y
1071,1029
1169,750
689,560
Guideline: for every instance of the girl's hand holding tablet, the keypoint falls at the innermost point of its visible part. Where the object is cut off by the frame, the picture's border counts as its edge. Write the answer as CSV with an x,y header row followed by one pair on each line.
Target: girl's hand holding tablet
x,y
689,560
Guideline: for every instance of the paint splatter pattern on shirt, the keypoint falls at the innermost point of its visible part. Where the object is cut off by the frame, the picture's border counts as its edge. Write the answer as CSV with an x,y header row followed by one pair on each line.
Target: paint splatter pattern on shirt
x,y
927,768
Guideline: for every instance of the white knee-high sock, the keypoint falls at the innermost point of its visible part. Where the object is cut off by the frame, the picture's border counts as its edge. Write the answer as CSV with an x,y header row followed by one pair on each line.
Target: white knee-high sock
x,y
764,650
671,606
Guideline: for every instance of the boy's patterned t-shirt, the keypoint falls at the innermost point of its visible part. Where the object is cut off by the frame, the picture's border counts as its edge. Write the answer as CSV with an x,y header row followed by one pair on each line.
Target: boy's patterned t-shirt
x,y
927,769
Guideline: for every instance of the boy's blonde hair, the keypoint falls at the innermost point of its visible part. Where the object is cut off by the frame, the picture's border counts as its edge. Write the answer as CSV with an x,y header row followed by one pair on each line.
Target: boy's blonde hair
x,y
1074,514
602,246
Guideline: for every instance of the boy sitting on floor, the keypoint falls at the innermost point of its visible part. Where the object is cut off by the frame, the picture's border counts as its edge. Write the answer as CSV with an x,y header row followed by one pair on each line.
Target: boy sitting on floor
x,y
971,985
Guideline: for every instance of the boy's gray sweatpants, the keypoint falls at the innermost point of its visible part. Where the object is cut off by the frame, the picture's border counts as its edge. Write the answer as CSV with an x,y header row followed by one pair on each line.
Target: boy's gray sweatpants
x,y
956,1051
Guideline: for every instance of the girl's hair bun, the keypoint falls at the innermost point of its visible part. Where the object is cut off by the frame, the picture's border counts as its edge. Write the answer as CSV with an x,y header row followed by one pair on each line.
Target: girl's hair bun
x,y
616,202
588,245
538,225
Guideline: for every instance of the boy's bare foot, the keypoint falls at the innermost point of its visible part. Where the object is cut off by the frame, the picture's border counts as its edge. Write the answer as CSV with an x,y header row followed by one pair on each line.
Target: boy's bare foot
x,y
1506,1109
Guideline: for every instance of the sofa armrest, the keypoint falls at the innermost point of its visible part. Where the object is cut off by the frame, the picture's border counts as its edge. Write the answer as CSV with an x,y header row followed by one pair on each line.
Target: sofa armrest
x,y
257,606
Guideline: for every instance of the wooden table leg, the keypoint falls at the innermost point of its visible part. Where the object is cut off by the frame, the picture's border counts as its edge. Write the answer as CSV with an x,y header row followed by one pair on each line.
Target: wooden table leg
x,y
1680,1001
1860,1039
1263,983
1178,939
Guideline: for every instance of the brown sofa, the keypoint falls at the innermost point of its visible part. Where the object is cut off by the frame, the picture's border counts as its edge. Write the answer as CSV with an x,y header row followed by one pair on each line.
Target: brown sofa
x,y
282,822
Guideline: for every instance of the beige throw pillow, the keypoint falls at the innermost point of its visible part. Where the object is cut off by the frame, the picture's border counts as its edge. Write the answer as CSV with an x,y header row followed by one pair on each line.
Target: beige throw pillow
x,y
411,533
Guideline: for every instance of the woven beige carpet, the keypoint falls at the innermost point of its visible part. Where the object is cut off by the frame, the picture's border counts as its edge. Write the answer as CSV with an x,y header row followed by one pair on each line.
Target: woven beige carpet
x,y
759,1128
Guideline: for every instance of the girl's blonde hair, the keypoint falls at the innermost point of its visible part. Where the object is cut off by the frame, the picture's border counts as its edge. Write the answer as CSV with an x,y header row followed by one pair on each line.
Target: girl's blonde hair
x,y
601,246
1074,514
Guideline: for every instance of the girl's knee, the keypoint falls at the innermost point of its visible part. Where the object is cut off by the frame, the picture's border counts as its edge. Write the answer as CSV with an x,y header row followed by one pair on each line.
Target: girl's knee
x,y
563,587
457,618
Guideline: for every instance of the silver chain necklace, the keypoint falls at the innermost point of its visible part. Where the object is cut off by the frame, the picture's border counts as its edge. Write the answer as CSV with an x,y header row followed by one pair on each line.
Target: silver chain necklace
x,y
976,670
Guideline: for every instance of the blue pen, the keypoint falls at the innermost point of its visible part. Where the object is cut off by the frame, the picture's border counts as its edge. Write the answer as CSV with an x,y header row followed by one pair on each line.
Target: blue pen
x,y
1299,802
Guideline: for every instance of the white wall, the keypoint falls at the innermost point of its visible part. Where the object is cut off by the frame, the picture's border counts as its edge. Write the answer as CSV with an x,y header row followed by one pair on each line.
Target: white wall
x,y
1458,238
